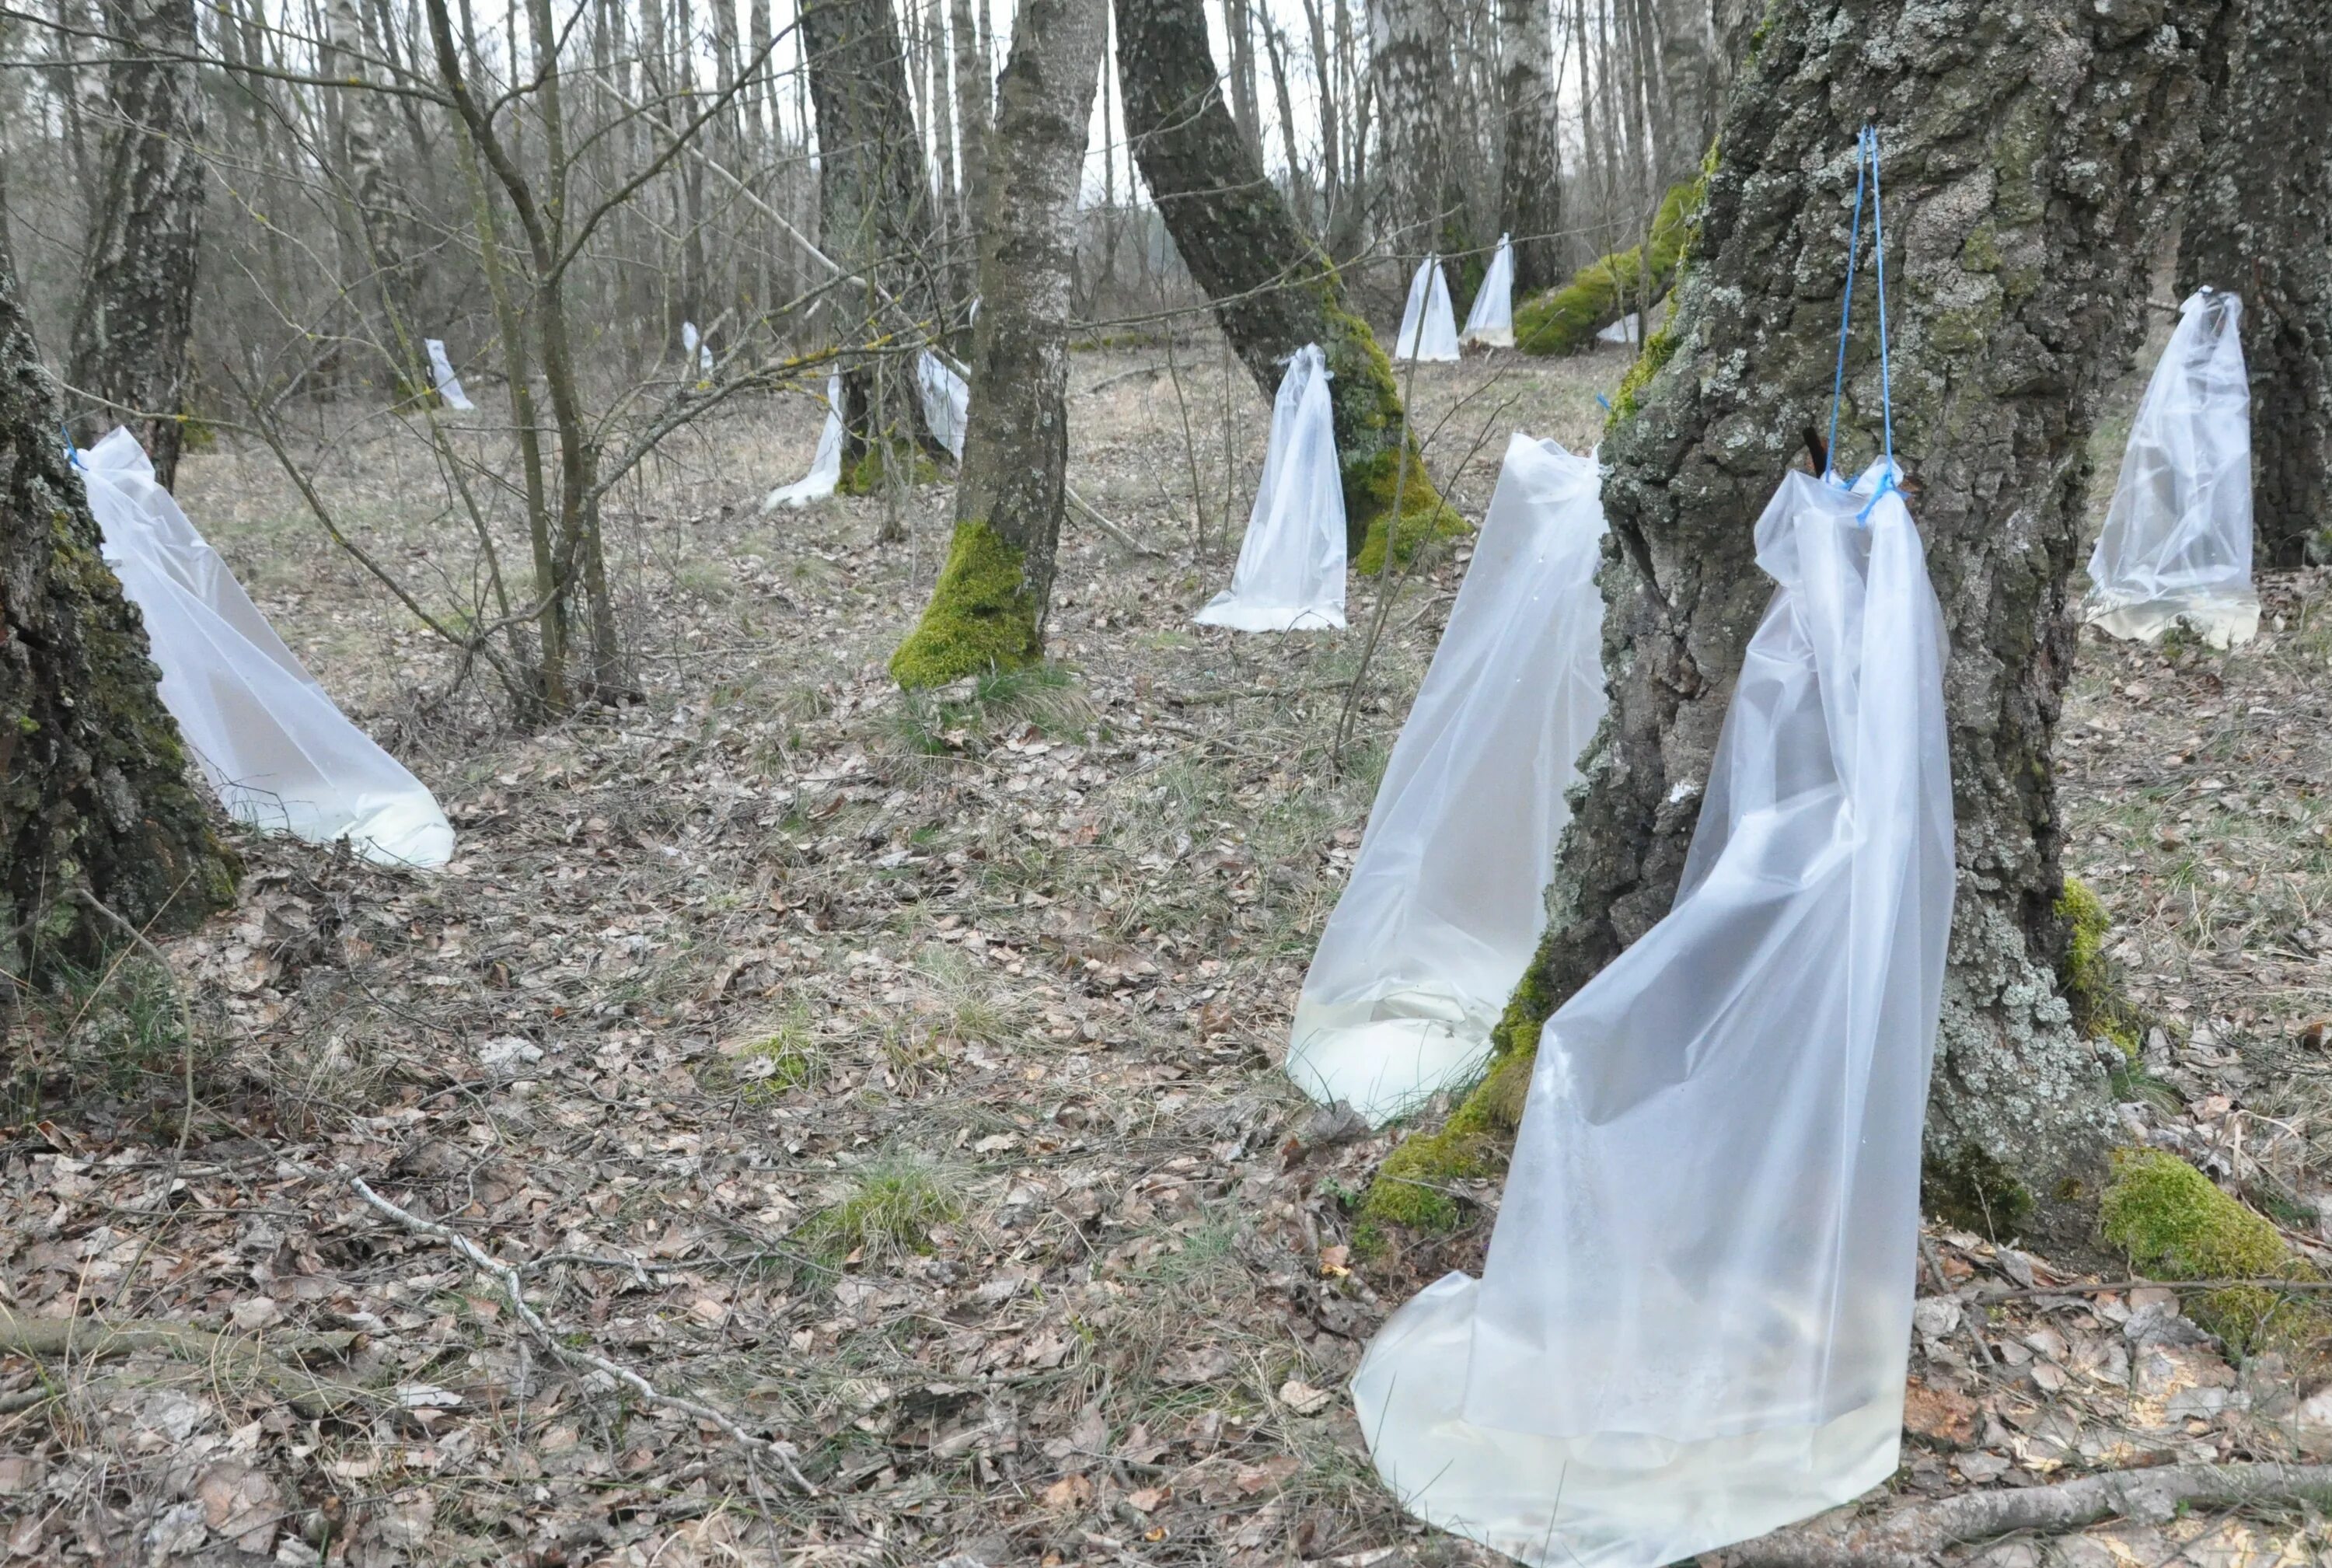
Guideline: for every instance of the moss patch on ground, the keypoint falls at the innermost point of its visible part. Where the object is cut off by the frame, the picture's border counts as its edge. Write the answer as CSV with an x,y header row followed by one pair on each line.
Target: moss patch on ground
x,y
2175,1223
982,616
1566,319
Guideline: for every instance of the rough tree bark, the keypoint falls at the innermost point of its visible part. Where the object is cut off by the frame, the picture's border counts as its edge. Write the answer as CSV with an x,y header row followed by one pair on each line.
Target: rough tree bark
x,y
1272,289
2028,154
377,266
94,795
2259,221
874,208
1688,73
971,110
1419,206
137,310
988,608
1531,203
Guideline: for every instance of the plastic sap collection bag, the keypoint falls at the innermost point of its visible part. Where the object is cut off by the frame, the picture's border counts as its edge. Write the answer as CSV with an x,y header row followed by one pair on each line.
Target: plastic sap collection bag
x,y
826,467
1695,1317
1290,574
1428,328
2177,539
279,755
1446,900
449,386
1490,322
946,398
1629,330
692,343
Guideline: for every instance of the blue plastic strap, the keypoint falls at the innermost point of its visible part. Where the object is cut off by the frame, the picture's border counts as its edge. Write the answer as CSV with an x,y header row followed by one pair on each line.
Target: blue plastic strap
x,y
1605,401
1866,169
1846,299
72,453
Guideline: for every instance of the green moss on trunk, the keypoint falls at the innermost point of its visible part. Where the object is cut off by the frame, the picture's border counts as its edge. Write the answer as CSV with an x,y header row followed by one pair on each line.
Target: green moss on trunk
x,y
982,615
868,475
1565,321
1410,1190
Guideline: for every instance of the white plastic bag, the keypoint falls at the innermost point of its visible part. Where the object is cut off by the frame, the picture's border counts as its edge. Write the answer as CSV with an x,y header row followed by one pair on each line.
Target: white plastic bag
x,y
946,397
1628,328
1695,1317
826,467
449,386
1446,900
1490,320
2177,540
692,343
1291,565
1428,328
279,755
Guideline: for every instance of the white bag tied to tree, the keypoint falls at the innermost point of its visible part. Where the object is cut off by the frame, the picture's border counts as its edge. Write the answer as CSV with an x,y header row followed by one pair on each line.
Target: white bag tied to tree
x,y
1428,328
1694,1321
1290,574
449,386
281,756
2177,540
692,341
1490,321
946,397
1628,328
825,474
1447,895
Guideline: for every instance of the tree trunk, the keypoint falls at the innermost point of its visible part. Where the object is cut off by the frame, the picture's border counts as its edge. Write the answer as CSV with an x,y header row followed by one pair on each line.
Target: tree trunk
x,y
2258,224
988,608
1274,290
371,190
2020,201
971,110
94,795
1687,39
137,312
1531,195
1416,208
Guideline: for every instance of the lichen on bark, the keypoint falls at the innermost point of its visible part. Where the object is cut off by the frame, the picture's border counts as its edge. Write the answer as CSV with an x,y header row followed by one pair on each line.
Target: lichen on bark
x,y
2021,207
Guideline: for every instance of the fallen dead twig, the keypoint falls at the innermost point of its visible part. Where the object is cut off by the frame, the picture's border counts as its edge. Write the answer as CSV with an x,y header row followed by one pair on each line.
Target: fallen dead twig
x,y
93,1339
512,1289
1911,1535
1105,525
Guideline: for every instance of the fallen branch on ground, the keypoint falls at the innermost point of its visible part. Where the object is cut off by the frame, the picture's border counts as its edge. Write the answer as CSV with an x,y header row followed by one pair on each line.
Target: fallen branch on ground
x,y
275,1362
1105,525
506,1278
1910,1535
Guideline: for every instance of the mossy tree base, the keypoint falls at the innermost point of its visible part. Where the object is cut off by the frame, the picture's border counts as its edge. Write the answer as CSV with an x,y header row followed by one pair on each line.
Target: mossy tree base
x,y
982,615
1368,491
871,475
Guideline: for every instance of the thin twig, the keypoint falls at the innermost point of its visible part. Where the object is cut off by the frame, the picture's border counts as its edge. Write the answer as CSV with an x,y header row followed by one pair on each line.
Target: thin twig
x,y
512,1288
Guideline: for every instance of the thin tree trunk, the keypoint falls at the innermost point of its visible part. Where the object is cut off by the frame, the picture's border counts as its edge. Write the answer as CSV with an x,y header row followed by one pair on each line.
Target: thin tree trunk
x,y
1299,190
94,793
988,606
1273,288
971,108
2019,208
1239,33
1531,198
136,310
1324,73
2258,224
1688,41
371,190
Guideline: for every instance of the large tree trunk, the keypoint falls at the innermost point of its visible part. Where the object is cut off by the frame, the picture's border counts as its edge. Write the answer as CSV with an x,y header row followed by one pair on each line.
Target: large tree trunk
x,y
2258,224
988,606
874,208
1418,209
137,310
2027,152
1274,290
1532,198
95,796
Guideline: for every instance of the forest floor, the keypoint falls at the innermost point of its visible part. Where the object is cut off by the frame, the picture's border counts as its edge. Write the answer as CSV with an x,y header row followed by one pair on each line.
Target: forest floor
x,y
895,1079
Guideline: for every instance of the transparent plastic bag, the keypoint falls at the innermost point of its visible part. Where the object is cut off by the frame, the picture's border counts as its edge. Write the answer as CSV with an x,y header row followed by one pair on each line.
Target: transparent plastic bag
x,y
1490,321
825,474
1428,328
1693,1324
1290,574
449,386
947,400
1447,895
2177,540
1627,330
279,755
692,341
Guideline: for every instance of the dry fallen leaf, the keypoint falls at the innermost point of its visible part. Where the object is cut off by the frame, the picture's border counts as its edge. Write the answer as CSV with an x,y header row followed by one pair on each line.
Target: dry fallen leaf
x,y
1302,1398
